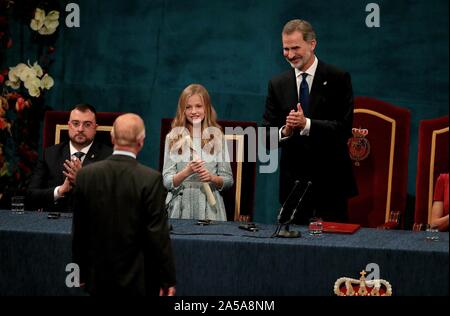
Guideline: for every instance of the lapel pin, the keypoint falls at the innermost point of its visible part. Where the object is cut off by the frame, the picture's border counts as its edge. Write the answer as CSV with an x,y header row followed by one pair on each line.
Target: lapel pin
x,y
325,83
92,156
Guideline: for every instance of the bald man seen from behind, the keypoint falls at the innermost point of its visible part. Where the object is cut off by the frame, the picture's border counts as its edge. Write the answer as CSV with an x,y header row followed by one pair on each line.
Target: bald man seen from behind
x,y
120,232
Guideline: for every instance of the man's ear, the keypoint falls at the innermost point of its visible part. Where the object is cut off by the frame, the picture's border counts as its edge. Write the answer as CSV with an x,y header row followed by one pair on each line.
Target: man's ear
x,y
141,143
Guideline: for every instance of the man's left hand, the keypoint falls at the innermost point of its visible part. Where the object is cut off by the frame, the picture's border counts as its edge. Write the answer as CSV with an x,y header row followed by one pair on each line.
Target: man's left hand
x,y
296,119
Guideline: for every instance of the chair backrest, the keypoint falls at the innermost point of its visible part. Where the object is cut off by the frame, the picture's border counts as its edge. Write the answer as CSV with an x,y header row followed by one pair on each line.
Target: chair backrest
x,y
239,200
55,128
432,160
380,161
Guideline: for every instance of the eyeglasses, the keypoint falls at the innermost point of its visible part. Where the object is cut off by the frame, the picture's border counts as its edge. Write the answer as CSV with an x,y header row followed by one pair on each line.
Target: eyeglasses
x,y
85,124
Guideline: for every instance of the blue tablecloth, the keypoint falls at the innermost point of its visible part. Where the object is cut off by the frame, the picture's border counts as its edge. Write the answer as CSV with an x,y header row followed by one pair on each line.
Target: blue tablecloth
x,y
221,259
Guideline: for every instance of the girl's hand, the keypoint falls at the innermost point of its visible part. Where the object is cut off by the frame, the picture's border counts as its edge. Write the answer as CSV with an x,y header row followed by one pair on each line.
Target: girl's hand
x,y
204,175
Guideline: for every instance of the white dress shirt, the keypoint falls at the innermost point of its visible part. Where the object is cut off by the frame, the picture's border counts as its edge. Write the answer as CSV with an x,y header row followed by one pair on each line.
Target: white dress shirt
x,y
311,71
73,150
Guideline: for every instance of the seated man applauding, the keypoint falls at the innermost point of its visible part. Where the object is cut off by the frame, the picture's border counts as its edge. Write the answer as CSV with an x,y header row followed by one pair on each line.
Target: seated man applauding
x,y
54,175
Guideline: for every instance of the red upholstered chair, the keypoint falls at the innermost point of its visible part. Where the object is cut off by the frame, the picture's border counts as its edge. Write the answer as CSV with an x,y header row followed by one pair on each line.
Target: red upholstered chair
x,y
239,199
380,163
432,160
55,128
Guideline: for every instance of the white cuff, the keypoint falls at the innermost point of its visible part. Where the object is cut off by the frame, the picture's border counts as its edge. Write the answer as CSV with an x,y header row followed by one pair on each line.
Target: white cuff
x,y
280,135
305,131
55,193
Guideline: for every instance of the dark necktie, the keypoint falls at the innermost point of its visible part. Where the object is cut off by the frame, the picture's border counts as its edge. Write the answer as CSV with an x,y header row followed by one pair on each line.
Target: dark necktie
x,y
79,154
304,94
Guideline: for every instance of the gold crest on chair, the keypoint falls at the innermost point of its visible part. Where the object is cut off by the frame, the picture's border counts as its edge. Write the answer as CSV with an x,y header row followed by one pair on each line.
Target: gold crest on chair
x,y
352,287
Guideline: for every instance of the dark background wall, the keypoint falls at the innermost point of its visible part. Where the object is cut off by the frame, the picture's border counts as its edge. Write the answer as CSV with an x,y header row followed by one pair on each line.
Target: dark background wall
x,y
138,55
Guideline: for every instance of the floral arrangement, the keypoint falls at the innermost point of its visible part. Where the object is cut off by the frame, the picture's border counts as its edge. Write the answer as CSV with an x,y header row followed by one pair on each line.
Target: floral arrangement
x,y
32,77
45,24
22,90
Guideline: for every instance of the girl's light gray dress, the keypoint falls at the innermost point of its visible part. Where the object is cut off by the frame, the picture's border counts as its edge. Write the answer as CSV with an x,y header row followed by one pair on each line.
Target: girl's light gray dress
x,y
192,202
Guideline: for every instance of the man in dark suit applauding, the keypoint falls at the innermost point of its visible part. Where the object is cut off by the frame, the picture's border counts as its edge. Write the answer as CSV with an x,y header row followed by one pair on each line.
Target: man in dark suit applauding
x,y
120,230
312,106
53,177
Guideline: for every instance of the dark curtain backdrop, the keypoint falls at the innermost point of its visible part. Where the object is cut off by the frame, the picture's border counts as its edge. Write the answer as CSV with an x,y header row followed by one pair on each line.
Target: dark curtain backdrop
x,y
138,55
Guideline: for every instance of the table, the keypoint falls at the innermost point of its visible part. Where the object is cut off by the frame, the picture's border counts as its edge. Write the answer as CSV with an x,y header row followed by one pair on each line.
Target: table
x,y
223,260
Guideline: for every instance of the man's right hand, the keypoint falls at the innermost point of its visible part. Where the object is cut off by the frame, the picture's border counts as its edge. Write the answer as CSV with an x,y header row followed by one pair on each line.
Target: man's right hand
x,y
65,187
286,131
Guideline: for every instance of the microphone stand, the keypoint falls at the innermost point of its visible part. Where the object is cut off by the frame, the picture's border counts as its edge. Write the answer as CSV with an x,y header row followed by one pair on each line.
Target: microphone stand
x,y
176,193
286,233
280,214
206,221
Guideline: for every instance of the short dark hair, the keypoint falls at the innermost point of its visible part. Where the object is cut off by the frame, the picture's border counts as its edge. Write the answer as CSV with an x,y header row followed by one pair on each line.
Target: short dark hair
x,y
84,107
301,26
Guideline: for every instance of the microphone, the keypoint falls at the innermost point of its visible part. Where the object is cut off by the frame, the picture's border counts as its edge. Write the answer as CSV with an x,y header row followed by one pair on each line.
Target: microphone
x,y
287,199
299,201
286,233
175,193
278,232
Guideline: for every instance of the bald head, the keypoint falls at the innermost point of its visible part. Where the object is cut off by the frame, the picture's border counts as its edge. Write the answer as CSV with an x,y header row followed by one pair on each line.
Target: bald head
x,y
128,132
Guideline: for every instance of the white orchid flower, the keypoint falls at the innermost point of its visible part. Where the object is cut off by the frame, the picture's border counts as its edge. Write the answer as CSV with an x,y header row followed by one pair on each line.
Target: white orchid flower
x,y
38,69
27,73
32,83
34,91
53,15
38,21
45,24
13,75
47,82
39,14
51,24
46,31
36,25
13,84
30,76
19,68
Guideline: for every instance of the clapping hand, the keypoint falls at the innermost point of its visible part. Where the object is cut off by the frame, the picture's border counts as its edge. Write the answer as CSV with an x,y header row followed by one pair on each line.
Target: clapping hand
x,y
71,166
295,119
65,187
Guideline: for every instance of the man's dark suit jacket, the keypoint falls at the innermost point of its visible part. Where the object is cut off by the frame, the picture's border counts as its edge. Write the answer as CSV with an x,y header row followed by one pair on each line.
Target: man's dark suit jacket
x,y
48,174
322,157
120,229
